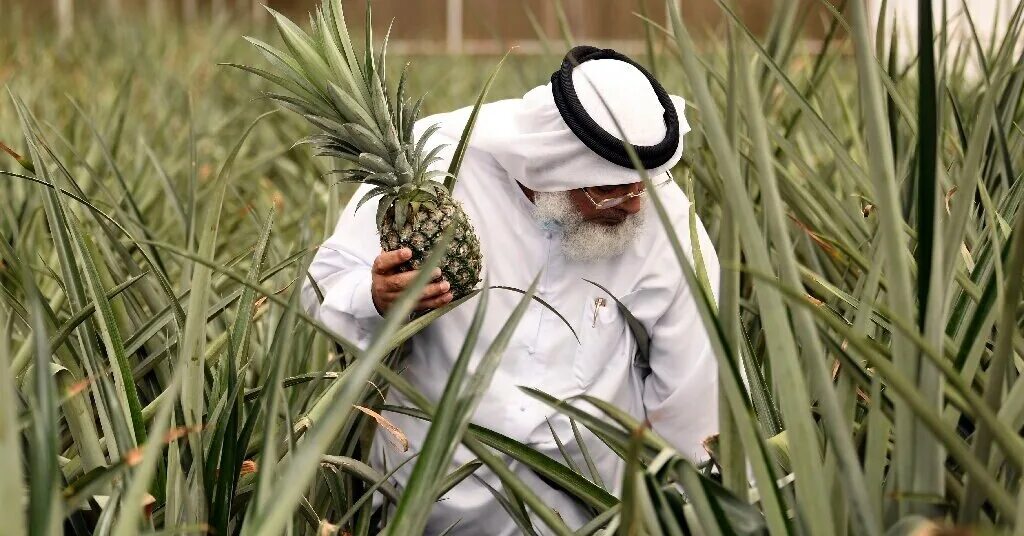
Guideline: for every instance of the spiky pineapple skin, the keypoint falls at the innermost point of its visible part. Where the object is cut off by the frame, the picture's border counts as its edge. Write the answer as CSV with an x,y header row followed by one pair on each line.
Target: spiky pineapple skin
x,y
464,261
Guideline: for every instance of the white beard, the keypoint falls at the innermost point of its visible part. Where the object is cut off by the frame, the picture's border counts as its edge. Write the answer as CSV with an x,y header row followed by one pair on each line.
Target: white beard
x,y
585,241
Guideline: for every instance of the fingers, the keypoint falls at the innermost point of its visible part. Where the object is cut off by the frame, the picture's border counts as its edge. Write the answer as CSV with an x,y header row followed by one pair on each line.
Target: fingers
x,y
388,262
398,282
434,303
388,283
435,290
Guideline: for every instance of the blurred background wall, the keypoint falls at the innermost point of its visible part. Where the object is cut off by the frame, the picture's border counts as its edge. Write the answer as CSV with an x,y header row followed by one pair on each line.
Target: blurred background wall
x,y
492,26
450,26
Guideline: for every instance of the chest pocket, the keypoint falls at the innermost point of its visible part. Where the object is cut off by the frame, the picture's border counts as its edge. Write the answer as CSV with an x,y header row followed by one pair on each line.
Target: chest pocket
x,y
605,339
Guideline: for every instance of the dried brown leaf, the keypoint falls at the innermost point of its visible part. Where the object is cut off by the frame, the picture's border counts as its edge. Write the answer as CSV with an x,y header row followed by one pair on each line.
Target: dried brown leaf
x,y
399,441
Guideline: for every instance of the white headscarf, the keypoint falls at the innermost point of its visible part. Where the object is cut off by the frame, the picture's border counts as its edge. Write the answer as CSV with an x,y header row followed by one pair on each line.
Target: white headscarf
x,y
531,141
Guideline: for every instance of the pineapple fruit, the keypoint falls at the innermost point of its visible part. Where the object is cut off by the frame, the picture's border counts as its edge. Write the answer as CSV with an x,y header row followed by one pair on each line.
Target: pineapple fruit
x,y
423,226
345,95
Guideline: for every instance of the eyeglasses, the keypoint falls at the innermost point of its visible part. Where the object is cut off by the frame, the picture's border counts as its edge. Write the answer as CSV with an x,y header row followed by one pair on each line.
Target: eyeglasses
x,y
601,204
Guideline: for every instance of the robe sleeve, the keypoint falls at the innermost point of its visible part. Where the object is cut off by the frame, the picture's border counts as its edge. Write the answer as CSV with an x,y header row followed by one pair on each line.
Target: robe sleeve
x,y
341,269
681,392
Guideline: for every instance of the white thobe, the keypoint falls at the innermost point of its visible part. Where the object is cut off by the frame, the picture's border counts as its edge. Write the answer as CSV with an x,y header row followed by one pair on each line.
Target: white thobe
x,y
679,395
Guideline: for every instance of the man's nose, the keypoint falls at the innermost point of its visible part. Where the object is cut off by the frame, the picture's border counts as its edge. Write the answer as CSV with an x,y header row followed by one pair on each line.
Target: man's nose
x,y
632,205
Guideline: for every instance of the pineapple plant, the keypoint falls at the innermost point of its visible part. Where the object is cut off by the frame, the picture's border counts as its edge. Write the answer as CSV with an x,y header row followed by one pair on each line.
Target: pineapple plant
x,y
346,96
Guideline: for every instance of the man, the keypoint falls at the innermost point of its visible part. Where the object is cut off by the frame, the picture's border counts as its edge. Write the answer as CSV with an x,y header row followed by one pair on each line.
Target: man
x,y
550,189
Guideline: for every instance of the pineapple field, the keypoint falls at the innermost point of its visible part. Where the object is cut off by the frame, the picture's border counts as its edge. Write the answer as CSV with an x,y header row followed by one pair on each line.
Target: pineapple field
x,y
163,188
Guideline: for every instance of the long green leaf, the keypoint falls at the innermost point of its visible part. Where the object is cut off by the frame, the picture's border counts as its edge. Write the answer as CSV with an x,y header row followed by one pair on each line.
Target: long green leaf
x,y
12,489
794,394
467,131
301,465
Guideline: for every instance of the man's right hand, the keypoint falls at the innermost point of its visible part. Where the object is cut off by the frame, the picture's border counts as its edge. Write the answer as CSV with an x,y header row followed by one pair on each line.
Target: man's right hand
x,y
388,283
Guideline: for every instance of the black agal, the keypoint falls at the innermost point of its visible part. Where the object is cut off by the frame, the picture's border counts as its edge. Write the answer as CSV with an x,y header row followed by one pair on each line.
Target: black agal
x,y
590,133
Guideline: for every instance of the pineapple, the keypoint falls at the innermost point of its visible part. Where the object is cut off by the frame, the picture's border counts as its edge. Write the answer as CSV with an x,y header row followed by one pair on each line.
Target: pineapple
x,y
423,226
346,97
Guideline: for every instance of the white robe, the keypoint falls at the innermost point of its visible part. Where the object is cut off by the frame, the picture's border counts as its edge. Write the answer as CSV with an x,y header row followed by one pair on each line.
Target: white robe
x,y
679,397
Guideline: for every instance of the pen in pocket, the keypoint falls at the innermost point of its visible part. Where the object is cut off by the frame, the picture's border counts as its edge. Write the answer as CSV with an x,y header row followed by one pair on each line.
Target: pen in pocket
x,y
598,303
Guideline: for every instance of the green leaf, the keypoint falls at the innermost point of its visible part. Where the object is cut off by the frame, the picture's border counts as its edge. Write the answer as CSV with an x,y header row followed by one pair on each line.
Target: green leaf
x,y
131,500
543,465
447,427
300,466
43,502
12,488
835,423
459,474
917,404
794,395
467,131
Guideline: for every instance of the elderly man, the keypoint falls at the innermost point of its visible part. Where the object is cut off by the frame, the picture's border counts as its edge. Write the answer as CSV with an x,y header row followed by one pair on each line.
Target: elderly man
x,y
550,189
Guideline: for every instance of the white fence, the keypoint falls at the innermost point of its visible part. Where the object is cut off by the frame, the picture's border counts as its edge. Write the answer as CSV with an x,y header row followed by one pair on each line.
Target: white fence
x,y
991,19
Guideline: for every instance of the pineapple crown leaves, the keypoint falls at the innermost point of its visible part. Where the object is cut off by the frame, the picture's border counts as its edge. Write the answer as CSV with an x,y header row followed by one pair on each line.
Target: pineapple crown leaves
x,y
321,76
344,94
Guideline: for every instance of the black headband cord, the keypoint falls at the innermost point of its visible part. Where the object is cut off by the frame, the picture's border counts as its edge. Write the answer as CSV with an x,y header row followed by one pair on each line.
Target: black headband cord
x,y
590,133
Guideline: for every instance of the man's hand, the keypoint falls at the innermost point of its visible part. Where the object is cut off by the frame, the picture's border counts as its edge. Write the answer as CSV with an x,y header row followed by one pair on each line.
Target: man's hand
x,y
388,283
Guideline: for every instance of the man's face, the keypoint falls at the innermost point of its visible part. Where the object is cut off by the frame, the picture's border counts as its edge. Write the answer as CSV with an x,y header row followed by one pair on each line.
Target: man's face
x,y
590,233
